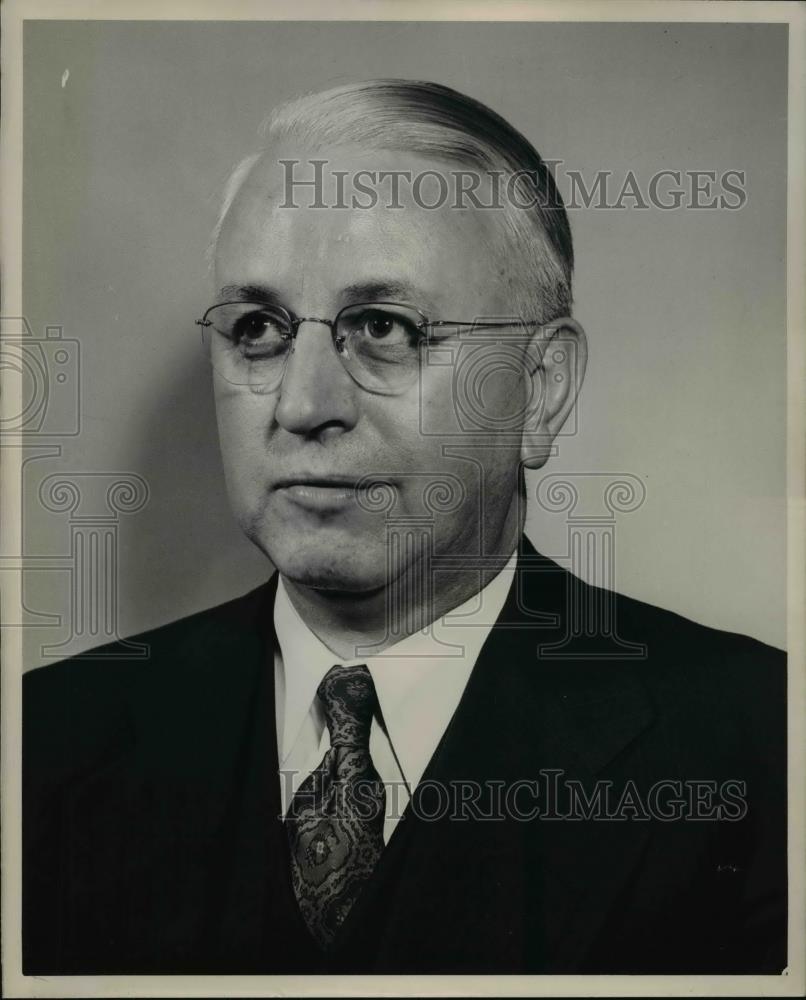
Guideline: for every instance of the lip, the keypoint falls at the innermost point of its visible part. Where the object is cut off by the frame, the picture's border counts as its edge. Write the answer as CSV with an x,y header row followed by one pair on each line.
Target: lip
x,y
320,493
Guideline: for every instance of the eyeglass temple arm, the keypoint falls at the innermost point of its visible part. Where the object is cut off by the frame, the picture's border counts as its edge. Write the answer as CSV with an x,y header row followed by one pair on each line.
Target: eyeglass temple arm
x,y
481,325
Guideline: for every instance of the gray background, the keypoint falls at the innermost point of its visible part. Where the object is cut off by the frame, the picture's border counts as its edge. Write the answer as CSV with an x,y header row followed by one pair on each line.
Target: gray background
x,y
685,310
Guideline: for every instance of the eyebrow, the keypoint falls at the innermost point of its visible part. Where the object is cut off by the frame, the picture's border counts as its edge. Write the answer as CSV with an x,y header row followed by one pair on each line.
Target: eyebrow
x,y
250,293
379,290
372,290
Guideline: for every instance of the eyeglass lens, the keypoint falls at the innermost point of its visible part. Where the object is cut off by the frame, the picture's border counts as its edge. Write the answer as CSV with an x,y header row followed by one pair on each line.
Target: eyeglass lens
x,y
248,343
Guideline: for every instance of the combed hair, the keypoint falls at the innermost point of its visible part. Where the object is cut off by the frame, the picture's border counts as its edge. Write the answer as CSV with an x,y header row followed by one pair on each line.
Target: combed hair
x,y
434,121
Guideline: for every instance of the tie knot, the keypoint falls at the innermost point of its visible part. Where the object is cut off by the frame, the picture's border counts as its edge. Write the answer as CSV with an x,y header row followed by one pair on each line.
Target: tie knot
x,y
349,701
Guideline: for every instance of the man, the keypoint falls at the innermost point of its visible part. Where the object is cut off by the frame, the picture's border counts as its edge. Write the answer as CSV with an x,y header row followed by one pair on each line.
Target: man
x,y
402,753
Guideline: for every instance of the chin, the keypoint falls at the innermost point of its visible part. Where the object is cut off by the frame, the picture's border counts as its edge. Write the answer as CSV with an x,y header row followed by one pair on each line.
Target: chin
x,y
348,565
326,578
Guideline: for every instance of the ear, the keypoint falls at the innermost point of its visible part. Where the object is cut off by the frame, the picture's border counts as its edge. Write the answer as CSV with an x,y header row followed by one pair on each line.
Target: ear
x,y
556,358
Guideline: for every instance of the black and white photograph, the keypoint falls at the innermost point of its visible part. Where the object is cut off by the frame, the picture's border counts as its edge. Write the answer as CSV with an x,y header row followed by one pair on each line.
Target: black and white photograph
x,y
403,493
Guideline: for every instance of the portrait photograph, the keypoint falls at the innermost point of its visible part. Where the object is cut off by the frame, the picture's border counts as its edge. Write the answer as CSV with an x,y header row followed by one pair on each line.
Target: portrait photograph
x,y
402,562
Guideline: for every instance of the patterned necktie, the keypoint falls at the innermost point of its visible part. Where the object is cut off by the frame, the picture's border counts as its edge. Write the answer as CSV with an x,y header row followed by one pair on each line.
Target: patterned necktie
x,y
335,820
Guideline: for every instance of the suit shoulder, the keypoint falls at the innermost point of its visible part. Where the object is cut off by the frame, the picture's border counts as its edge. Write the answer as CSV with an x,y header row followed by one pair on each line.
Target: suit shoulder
x,y
667,633
637,610
688,668
85,704
669,637
707,675
118,662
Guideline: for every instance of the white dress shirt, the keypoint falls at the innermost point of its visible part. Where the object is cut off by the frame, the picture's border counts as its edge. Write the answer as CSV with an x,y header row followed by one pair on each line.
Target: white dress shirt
x,y
418,680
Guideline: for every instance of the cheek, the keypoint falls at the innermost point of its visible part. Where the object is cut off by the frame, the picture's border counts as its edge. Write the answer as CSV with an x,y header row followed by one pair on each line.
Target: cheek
x,y
241,429
482,392
474,411
491,391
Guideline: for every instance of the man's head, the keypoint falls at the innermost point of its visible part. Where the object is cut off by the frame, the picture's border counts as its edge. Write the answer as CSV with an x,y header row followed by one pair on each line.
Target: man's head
x,y
440,418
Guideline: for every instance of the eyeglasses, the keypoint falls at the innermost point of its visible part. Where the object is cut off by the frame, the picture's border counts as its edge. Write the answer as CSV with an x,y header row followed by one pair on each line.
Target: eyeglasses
x,y
380,344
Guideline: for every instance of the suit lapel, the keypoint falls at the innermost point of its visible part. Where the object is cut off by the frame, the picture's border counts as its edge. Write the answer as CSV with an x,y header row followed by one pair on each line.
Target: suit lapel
x,y
486,894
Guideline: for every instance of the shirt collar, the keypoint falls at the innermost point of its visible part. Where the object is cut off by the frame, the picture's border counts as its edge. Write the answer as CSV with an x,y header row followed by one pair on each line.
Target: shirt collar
x,y
419,680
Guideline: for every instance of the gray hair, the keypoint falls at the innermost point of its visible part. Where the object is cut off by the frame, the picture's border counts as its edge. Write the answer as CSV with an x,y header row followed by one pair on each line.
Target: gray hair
x,y
435,121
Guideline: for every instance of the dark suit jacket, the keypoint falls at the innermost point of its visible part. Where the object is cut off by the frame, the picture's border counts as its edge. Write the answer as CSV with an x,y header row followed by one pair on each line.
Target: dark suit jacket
x,y
153,840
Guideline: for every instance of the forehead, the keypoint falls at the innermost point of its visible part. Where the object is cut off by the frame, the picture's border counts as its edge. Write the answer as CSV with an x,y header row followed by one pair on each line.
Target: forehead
x,y
358,223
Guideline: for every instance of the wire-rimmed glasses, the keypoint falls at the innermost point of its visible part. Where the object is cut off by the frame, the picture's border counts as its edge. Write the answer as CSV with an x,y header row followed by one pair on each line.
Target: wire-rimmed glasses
x,y
380,344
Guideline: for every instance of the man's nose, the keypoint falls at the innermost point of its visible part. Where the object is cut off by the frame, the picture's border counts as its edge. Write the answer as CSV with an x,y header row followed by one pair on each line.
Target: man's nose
x,y
316,393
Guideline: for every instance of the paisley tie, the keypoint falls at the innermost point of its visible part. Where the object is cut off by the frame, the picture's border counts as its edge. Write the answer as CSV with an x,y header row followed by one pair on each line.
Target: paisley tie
x,y
335,820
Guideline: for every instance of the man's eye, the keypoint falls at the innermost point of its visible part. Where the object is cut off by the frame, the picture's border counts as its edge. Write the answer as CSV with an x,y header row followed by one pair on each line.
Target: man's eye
x,y
386,327
380,326
256,327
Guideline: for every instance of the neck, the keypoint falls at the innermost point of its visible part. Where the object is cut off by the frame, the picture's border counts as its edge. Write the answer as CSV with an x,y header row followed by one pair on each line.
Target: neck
x,y
349,623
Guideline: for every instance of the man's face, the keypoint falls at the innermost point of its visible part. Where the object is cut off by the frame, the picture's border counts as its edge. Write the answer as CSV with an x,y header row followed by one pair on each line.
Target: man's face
x,y
292,455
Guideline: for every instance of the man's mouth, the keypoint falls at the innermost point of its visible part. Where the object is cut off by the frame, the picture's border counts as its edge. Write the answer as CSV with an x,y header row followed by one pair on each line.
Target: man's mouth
x,y
323,493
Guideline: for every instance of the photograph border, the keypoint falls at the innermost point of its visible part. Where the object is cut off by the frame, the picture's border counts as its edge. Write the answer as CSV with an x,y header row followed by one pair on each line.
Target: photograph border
x,y
793,981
